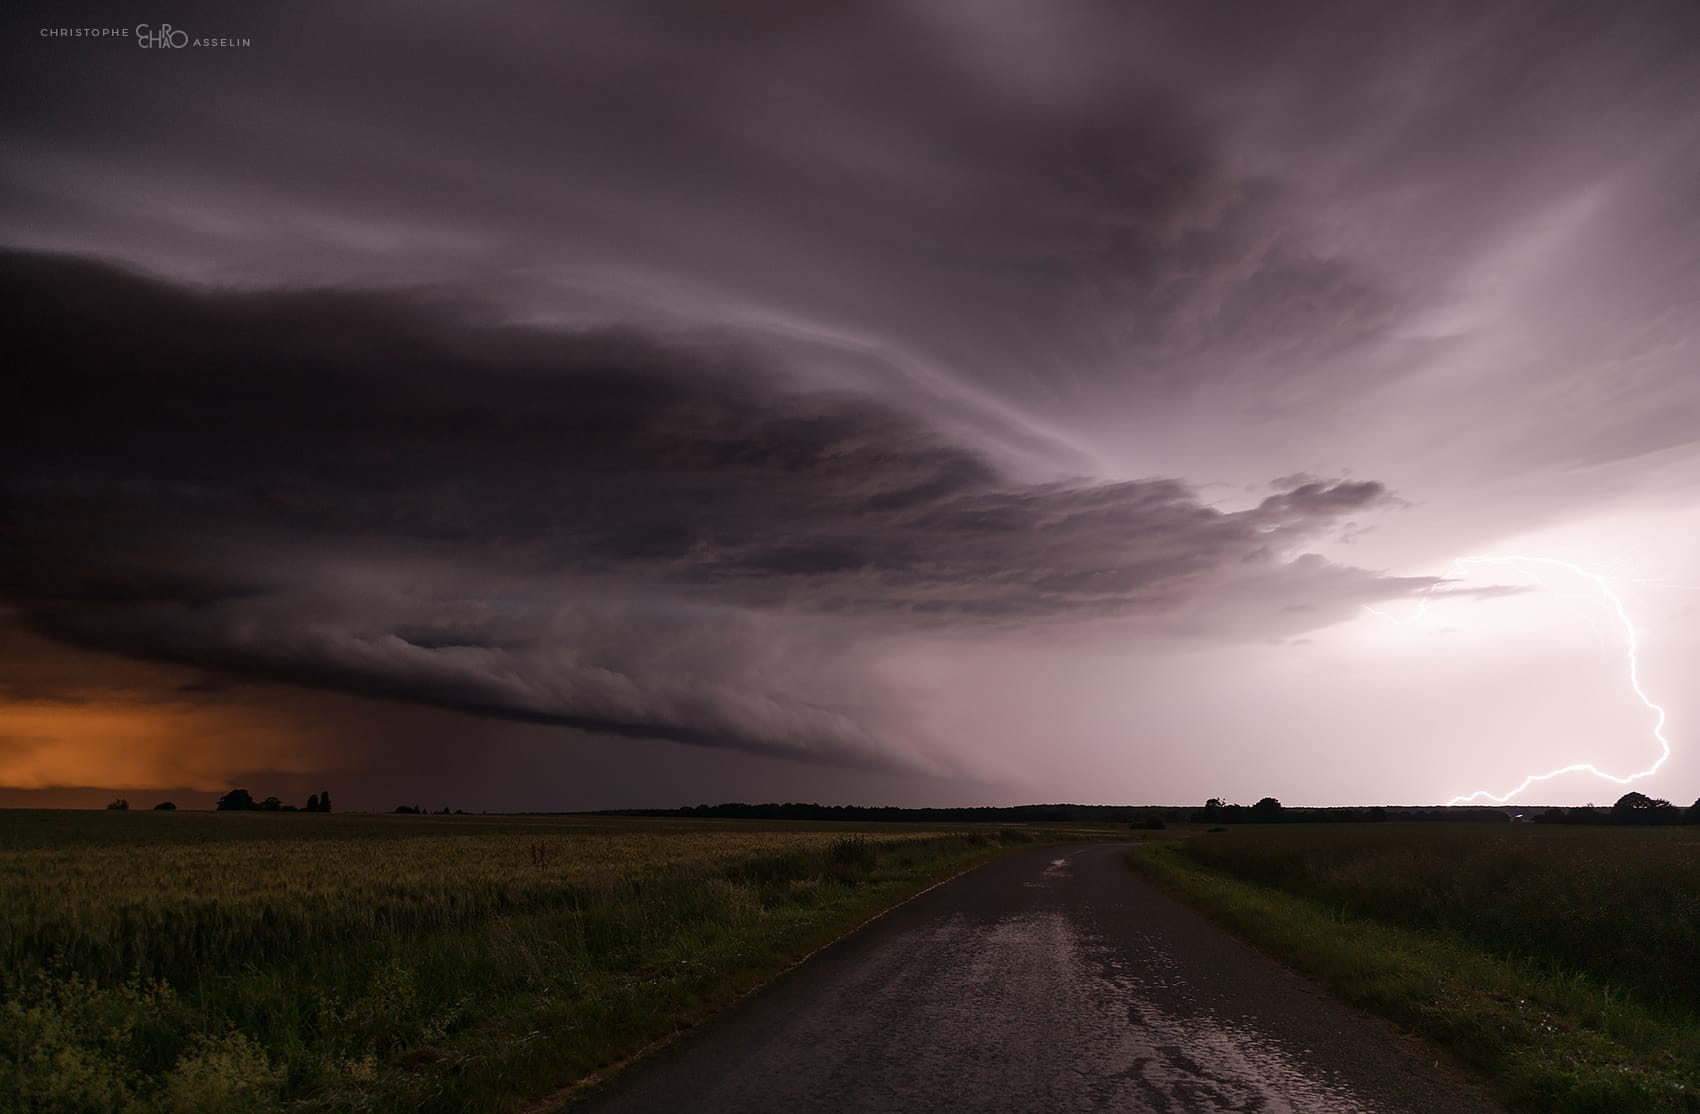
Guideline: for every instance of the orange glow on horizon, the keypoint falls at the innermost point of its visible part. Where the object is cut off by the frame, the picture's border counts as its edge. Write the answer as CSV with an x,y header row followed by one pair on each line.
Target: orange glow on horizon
x,y
47,746
73,719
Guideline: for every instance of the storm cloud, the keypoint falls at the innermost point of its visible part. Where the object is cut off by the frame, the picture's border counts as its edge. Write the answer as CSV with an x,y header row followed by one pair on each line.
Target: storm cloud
x,y
398,496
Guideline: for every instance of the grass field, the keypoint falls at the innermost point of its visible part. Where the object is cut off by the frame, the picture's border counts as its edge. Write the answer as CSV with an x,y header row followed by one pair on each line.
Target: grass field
x,y
194,961
1562,963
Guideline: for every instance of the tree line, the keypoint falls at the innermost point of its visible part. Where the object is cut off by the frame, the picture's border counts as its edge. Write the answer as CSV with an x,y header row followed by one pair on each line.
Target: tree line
x,y
1631,808
1215,811
240,800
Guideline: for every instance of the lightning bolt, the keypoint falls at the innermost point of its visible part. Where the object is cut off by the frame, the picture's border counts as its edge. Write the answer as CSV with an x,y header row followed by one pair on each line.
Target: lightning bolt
x,y
1462,565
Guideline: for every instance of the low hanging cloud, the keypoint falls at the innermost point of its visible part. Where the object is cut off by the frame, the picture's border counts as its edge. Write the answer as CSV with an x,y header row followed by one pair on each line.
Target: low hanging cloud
x,y
400,496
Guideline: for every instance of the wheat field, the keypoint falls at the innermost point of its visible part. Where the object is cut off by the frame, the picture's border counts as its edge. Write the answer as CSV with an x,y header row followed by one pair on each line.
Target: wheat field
x,y
195,961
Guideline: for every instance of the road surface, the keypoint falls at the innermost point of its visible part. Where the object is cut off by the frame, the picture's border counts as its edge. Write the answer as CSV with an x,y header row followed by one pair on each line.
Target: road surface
x,y
1053,980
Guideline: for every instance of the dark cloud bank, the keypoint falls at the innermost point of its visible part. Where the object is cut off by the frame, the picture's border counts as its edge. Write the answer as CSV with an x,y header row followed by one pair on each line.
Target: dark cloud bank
x,y
397,495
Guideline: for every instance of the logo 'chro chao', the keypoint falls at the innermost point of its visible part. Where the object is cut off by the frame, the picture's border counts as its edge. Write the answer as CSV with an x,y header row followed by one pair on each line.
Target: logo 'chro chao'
x,y
166,37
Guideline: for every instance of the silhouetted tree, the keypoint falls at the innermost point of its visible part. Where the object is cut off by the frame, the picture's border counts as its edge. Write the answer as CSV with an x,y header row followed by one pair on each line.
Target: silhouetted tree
x,y
271,804
313,803
1632,802
325,801
1638,808
237,800
1693,816
1266,810
119,805
165,806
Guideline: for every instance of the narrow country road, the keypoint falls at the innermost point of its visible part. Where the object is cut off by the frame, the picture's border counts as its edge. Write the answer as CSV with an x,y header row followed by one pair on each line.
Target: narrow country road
x,y
1054,980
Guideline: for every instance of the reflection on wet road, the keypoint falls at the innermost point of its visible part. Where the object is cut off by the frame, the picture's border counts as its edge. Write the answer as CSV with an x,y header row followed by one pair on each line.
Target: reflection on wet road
x,y
1045,982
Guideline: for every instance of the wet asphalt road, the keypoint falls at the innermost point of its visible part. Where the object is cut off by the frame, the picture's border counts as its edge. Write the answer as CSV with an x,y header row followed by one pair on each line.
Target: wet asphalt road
x,y
1054,980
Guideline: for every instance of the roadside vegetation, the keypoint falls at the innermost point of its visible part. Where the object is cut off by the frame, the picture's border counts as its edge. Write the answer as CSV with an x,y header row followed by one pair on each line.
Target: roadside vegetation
x,y
1558,961
178,961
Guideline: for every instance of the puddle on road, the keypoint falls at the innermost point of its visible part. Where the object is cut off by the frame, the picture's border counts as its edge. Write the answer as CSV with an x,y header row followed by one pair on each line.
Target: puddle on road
x,y
1059,868
1118,1047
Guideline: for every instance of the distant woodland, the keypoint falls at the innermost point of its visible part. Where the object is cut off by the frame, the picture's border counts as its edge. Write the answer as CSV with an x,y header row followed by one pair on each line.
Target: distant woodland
x,y
1215,811
1631,808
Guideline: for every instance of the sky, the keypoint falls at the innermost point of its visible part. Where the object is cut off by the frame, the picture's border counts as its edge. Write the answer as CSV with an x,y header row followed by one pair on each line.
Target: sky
x,y
583,405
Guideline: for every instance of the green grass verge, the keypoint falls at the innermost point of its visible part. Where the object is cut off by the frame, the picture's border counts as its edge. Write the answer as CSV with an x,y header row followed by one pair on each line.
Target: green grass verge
x,y
268,999
1543,1039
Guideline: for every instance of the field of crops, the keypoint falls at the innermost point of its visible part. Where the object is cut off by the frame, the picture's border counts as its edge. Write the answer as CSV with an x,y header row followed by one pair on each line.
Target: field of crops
x,y
1621,905
1560,961
195,961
